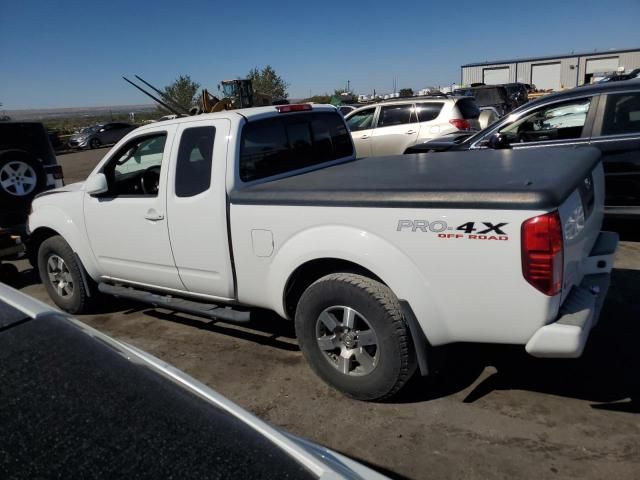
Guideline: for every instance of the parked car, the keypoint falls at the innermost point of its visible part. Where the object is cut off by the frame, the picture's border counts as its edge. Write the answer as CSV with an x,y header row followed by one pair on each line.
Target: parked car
x,y
390,128
265,207
621,76
604,115
518,93
495,96
28,166
77,403
99,135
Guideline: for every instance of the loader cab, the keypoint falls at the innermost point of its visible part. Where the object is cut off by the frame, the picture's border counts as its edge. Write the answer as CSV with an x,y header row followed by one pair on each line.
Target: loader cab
x,y
240,92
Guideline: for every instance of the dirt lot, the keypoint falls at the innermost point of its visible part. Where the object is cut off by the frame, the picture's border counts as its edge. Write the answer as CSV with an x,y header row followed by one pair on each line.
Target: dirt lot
x,y
493,412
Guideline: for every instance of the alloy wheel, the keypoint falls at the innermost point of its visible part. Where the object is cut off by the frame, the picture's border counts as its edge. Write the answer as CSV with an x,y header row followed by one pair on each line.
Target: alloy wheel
x,y
347,340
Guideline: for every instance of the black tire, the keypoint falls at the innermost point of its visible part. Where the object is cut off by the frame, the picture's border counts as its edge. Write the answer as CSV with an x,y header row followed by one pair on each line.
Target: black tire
x,y
19,196
77,298
94,143
379,310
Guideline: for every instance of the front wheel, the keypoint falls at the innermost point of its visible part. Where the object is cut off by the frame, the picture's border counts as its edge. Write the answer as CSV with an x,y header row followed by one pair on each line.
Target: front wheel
x,y
94,143
351,331
61,274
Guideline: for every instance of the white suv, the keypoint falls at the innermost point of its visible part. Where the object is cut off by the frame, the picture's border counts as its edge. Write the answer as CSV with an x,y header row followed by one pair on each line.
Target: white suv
x,y
390,128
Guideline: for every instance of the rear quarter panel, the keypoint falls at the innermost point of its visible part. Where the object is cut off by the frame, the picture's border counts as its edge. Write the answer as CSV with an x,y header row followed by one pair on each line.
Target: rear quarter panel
x,y
461,287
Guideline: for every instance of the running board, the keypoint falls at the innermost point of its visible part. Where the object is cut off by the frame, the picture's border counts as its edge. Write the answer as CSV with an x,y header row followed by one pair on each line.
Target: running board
x,y
210,310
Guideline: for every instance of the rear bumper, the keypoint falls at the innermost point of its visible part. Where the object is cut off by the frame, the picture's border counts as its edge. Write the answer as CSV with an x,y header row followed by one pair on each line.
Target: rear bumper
x,y
567,336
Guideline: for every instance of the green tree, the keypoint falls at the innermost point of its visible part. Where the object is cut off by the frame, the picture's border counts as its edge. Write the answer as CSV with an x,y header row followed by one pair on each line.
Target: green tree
x,y
268,82
326,98
406,92
182,91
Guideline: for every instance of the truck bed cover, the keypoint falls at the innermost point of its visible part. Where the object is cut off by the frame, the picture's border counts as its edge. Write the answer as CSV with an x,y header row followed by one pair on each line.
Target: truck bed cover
x,y
524,179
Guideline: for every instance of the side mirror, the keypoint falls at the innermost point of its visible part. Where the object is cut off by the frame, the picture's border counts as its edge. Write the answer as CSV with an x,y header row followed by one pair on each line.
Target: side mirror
x,y
498,141
96,184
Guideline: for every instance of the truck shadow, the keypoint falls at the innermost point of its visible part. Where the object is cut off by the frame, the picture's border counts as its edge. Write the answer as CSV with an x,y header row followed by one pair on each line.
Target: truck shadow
x,y
606,374
264,328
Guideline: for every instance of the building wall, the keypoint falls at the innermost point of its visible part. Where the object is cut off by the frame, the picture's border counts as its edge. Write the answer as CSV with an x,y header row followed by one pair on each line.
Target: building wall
x,y
569,77
475,74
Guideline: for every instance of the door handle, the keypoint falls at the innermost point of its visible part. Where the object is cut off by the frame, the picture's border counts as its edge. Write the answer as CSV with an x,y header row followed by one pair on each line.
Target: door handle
x,y
409,132
154,216
363,137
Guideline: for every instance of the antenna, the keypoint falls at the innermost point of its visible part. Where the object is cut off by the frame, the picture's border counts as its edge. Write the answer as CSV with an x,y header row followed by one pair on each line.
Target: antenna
x,y
164,96
171,109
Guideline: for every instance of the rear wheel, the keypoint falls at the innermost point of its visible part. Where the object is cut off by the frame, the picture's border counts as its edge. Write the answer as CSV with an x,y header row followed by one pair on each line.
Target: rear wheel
x,y
351,331
61,274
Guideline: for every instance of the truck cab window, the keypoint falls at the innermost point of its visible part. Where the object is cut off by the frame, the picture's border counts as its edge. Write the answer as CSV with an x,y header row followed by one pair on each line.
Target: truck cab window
x,y
193,168
559,121
283,144
135,168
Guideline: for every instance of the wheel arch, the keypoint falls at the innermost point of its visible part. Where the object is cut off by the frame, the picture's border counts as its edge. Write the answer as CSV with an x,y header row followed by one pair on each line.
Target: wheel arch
x,y
316,252
312,270
47,221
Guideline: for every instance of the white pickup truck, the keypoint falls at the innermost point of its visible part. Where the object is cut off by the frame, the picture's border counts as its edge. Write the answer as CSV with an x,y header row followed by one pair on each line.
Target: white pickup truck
x,y
376,260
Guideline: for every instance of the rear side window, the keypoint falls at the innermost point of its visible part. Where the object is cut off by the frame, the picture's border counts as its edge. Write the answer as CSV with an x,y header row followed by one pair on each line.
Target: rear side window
x,y
622,114
428,111
468,108
391,115
282,144
193,168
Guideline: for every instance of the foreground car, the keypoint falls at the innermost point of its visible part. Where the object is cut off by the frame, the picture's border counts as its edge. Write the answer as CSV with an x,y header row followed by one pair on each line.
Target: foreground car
x,y
77,403
606,116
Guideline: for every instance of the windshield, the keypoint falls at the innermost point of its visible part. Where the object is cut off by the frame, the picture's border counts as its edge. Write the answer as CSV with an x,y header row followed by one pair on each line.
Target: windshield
x,y
91,129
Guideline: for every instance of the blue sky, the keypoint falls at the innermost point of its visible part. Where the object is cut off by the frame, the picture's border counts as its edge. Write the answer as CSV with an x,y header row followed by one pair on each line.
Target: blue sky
x,y
68,53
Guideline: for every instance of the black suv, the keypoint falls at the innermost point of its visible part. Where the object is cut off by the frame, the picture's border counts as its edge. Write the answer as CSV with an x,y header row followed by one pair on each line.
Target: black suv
x,y
496,96
606,116
28,166
518,93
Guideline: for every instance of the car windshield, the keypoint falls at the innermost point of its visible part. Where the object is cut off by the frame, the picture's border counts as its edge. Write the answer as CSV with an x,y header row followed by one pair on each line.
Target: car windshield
x,y
91,129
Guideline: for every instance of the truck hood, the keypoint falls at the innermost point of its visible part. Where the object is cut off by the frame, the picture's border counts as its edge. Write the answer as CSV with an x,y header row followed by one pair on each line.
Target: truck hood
x,y
72,187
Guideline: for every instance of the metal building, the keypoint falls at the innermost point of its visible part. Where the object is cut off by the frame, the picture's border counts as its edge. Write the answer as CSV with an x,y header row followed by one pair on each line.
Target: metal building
x,y
553,72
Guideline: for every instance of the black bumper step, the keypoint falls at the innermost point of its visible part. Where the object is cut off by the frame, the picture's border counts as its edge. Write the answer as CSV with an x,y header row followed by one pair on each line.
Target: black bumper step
x,y
209,310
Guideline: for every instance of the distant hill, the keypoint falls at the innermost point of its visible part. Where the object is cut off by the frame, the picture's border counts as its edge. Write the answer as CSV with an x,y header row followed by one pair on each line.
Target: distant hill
x,y
43,114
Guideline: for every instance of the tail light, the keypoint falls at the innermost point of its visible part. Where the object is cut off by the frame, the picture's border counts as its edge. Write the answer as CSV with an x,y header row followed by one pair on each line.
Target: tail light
x,y
460,123
300,107
542,253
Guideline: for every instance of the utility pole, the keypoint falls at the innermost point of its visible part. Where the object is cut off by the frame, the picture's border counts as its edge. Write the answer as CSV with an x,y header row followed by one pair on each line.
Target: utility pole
x,y
348,86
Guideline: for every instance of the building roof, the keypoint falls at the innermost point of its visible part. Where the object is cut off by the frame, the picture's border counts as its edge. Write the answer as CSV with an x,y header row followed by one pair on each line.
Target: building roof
x,y
552,57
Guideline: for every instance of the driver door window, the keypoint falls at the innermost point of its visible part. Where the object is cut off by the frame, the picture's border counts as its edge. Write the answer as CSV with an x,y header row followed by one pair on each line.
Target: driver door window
x,y
135,168
560,121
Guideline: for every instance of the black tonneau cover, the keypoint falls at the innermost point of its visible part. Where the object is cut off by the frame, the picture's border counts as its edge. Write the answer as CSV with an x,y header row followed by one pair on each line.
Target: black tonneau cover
x,y
523,179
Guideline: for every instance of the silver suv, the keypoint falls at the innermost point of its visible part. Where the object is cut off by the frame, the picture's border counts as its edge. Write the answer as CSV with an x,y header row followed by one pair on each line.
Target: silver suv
x,y
390,128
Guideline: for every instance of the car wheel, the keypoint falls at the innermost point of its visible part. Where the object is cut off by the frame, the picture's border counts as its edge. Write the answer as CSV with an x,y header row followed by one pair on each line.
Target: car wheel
x,y
62,276
352,332
21,177
94,143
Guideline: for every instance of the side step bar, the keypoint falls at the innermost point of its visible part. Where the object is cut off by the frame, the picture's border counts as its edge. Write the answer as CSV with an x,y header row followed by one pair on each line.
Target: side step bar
x,y
210,310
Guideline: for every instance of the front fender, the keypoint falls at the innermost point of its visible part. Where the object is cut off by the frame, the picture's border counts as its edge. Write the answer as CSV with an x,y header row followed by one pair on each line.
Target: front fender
x,y
368,250
72,230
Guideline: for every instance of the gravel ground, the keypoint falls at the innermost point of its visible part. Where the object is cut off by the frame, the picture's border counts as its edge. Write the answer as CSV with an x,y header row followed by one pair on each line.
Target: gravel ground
x,y
492,412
